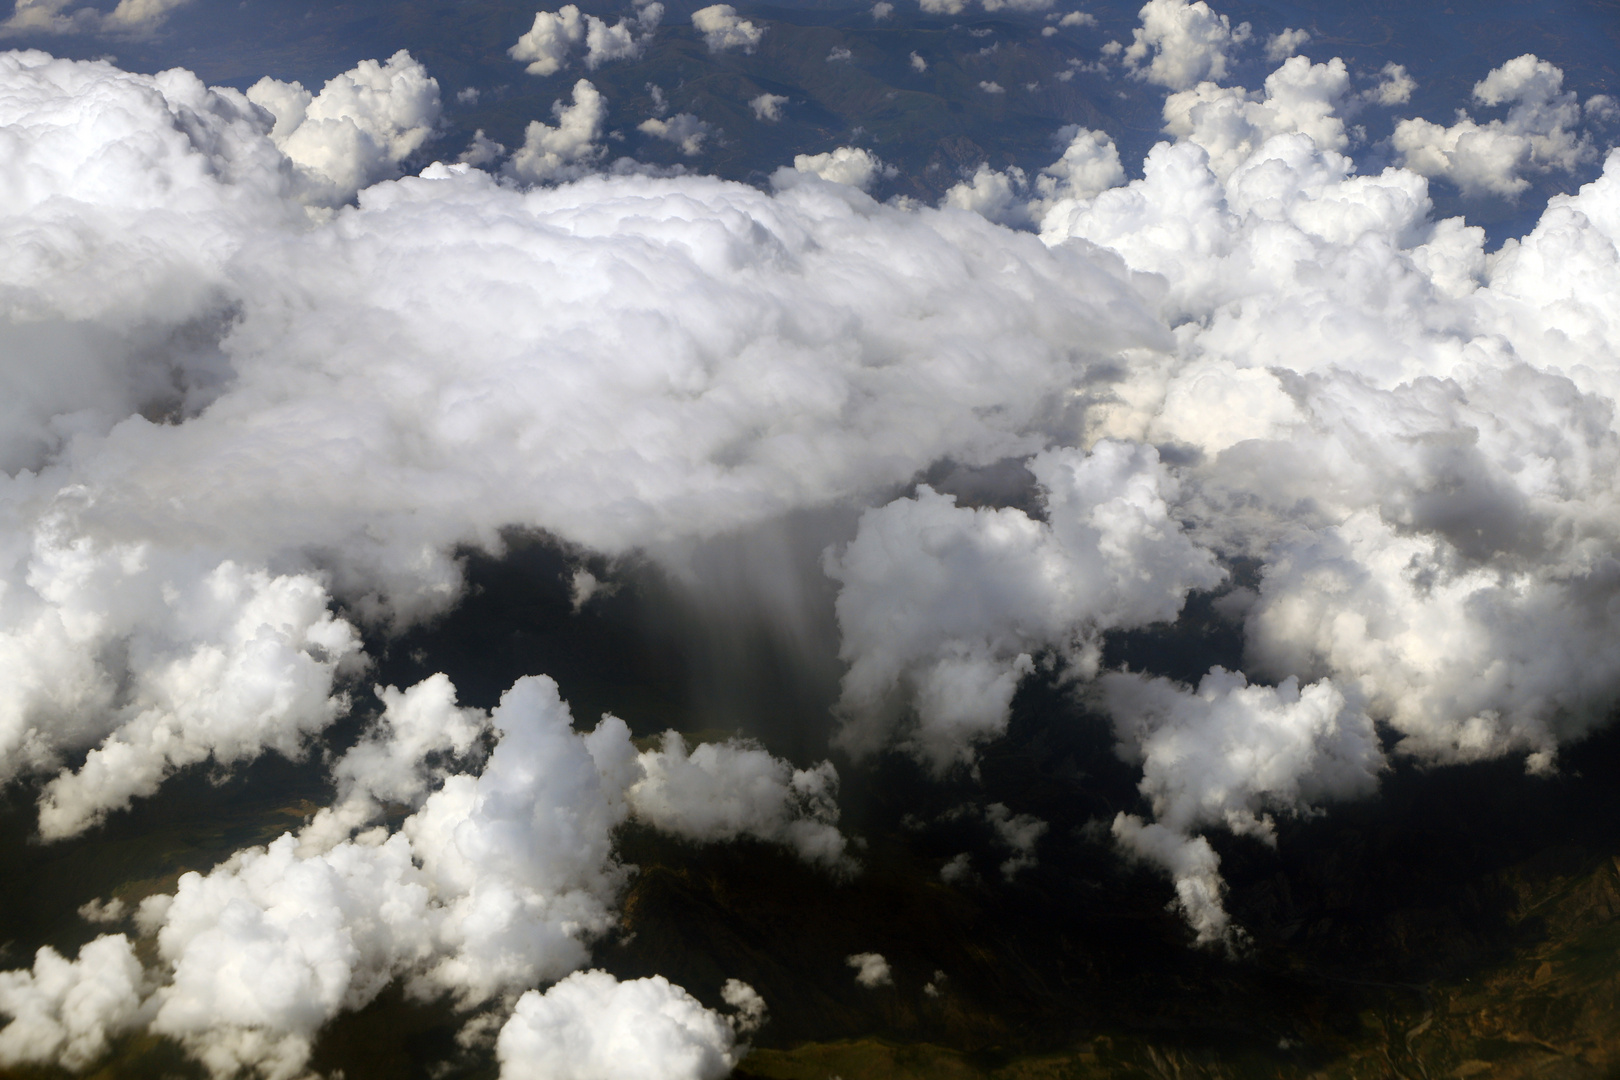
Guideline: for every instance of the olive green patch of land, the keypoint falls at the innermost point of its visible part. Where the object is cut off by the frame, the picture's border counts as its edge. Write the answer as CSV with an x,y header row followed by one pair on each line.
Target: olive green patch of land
x,y
1550,1012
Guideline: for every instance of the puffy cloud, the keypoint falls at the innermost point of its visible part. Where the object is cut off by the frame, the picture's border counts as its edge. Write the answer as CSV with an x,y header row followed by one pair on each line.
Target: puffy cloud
x,y
1089,164
1539,133
1428,458
358,129
918,64
839,55
242,662
65,1012
497,881
1285,43
1231,124
568,150
1396,86
590,1026
941,607
882,10
548,44
1077,18
722,28
53,17
871,969
1179,44
722,791
750,1006
768,106
852,165
1018,833
1223,755
683,129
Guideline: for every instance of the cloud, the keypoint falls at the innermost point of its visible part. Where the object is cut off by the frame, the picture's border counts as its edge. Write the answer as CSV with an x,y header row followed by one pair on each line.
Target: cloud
x,y
683,129
1285,43
1089,164
723,29
918,64
768,107
358,129
263,416
134,17
499,878
65,1012
1395,88
568,150
871,970
1179,44
942,607
1538,134
1221,756
1018,833
723,791
590,1026
1231,124
1077,18
548,44
852,165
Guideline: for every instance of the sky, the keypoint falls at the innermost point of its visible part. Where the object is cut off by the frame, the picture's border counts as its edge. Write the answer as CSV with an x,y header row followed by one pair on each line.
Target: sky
x,y
1244,385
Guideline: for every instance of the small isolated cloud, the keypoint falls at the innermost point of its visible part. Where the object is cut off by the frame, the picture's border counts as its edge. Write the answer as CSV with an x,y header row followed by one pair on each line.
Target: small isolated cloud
x,y
723,29
850,165
839,55
768,107
957,869
1285,43
683,129
871,970
724,791
942,7
1018,833
547,45
918,64
882,10
133,17
1078,18
750,1006
568,150
1395,88
482,151
990,87
1179,44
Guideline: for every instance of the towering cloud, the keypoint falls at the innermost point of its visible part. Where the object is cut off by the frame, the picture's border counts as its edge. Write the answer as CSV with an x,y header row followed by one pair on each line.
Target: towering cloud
x,y
358,129
252,380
